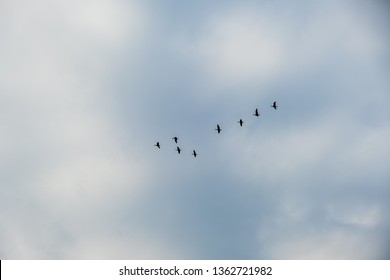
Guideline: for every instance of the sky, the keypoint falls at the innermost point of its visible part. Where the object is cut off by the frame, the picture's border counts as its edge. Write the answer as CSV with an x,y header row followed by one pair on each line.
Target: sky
x,y
87,88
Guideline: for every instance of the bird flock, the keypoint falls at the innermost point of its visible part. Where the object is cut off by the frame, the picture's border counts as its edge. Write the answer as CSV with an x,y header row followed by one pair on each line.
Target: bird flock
x,y
218,129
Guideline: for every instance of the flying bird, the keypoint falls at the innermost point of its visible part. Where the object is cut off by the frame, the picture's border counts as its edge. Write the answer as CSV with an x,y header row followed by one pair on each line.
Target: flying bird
x,y
158,145
175,138
218,129
178,150
256,113
194,153
240,122
274,105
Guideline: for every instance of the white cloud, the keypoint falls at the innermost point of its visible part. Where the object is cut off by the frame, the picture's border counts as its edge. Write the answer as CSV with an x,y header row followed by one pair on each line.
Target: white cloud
x,y
108,23
130,245
72,186
357,214
62,149
327,245
237,47
245,48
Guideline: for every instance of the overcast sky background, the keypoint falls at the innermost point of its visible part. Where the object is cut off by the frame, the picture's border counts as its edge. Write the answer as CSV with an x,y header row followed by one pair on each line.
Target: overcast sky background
x,y
88,87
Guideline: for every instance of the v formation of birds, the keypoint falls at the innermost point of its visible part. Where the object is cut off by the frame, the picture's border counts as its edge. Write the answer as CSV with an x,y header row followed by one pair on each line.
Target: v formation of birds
x,y
218,129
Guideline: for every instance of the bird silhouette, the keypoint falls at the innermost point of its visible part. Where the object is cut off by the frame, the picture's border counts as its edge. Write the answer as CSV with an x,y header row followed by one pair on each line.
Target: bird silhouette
x,y
158,145
178,150
194,153
256,113
175,138
274,105
218,129
240,122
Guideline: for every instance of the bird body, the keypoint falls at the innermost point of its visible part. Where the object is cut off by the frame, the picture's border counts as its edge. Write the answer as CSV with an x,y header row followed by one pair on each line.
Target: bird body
x,y
256,113
158,145
274,105
218,129
194,153
175,138
178,150
240,122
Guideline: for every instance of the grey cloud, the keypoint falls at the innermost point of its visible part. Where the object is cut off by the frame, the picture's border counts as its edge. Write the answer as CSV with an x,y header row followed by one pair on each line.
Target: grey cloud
x,y
90,93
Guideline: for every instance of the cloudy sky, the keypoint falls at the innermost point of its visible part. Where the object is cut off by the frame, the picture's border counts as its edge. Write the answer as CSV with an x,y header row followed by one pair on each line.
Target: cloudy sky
x,y
88,87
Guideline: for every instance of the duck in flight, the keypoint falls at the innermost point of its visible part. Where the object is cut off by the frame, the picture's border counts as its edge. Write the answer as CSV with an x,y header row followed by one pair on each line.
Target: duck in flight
x,y
178,150
218,129
158,145
256,113
194,153
175,138
274,105
240,122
